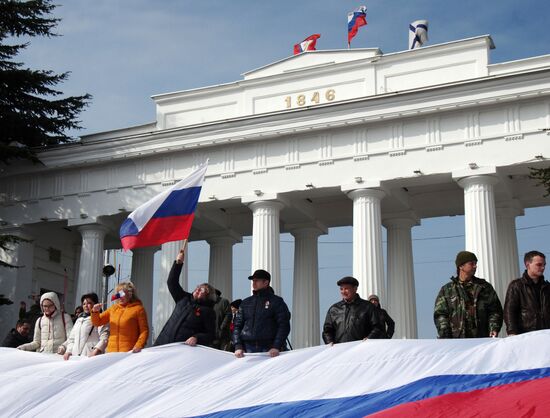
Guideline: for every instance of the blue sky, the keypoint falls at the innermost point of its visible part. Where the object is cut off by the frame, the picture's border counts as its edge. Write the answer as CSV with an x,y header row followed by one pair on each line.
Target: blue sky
x,y
122,52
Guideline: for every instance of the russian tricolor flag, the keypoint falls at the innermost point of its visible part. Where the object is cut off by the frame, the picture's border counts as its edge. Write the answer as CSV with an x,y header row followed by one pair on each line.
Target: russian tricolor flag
x,y
484,377
356,19
166,217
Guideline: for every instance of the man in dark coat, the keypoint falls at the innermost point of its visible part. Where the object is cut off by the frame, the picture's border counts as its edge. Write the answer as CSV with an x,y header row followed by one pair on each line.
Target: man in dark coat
x,y
221,309
18,335
193,320
384,318
527,305
262,323
351,319
467,306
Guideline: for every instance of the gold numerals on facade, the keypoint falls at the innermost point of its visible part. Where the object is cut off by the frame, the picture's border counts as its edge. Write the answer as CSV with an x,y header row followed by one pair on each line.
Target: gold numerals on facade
x,y
310,98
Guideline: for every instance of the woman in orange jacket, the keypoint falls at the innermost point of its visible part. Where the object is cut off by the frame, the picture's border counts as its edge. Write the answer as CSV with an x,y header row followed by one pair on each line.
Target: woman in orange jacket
x,y
127,319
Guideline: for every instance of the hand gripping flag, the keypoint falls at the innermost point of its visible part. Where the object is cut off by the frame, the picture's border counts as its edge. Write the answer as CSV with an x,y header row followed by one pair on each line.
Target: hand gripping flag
x,y
418,33
356,19
166,217
307,44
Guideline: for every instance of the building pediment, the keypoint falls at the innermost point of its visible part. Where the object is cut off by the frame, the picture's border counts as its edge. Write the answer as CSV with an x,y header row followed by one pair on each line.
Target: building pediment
x,y
310,60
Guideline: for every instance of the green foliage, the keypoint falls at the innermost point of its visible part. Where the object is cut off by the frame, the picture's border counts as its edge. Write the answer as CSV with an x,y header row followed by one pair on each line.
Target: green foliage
x,y
33,114
543,176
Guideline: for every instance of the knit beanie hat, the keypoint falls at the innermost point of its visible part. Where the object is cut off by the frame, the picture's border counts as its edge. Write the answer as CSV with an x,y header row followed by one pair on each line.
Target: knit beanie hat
x,y
464,257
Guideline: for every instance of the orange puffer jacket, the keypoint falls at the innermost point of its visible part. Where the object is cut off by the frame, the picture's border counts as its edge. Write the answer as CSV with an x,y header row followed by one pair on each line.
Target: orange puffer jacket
x,y
128,324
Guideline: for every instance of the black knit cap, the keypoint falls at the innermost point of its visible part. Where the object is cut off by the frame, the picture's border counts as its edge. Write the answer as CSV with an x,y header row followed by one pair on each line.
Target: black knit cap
x,y
348,280
236,303
464,257
260,274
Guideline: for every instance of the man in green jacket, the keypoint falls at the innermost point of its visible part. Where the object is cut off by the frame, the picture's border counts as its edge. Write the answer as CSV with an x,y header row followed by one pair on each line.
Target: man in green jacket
x,y
467,306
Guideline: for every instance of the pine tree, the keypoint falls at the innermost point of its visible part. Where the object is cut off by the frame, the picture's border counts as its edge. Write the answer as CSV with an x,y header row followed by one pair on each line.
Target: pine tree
x,y
33,114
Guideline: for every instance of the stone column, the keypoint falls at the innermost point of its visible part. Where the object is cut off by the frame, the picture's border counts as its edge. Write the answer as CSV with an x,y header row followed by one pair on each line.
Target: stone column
x,y
508,258
220,266
142,277
368,259
480,225
305,296
90,271
266,240
164,304
16,283
400,281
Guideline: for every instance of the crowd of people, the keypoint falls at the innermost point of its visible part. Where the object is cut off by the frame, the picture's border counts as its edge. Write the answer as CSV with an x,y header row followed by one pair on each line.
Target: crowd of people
x,y
466,307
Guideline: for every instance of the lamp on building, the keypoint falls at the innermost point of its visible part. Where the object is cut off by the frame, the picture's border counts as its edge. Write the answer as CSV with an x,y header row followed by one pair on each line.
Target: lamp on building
x,y
108,271
473,166
310,186
83,215
418,172
258,192
359,179
539,157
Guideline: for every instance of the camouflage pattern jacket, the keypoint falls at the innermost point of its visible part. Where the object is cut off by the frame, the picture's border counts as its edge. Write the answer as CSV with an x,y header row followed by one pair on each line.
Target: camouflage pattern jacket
x,y
450,314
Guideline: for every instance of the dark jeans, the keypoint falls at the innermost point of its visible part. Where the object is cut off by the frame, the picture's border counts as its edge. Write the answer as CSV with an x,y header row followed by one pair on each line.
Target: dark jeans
x,y
256,347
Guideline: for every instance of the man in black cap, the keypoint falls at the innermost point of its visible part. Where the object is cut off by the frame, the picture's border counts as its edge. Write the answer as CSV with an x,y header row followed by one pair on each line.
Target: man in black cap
x,y
262,323
467,306
351,319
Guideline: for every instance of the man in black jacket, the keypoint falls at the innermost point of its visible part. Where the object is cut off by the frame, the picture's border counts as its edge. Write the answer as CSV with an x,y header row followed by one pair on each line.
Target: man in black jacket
x,y
18,335
263,321
352,318
388,324
527,304
193,320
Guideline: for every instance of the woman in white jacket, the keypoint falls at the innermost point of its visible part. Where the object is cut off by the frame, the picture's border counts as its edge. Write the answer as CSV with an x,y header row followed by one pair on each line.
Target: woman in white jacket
x,y
52,328
85,339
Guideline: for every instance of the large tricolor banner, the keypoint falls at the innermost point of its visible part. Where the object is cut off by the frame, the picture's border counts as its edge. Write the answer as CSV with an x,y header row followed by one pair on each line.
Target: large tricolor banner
x,y
382,378
166,217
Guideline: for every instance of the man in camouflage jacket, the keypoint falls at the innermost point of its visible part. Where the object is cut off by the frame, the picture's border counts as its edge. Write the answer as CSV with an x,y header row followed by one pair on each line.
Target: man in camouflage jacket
x,y
467,306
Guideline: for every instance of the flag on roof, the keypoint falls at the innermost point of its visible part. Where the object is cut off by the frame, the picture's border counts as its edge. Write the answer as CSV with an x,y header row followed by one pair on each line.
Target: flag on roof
x,y
166,217
418,33
356,19
482,377
307,44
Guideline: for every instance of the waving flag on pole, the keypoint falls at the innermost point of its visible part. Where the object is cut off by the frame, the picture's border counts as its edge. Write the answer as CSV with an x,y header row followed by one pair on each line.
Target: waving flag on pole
x,y
166,217
307,44
356,19
418,33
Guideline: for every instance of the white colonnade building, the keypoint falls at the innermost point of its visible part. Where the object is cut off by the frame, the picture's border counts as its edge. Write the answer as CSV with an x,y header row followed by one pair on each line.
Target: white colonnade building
x,y
314,141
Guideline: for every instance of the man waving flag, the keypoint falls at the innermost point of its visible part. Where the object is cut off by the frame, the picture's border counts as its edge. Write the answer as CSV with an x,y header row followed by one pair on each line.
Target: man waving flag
x,y
356,19
167,216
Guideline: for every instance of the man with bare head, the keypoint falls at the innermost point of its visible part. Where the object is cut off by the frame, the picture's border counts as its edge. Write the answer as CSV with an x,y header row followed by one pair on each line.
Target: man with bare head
x,y
527,304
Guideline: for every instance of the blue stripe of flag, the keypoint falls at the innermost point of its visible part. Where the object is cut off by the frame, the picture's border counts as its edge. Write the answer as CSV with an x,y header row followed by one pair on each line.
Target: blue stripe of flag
x,y
362,405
